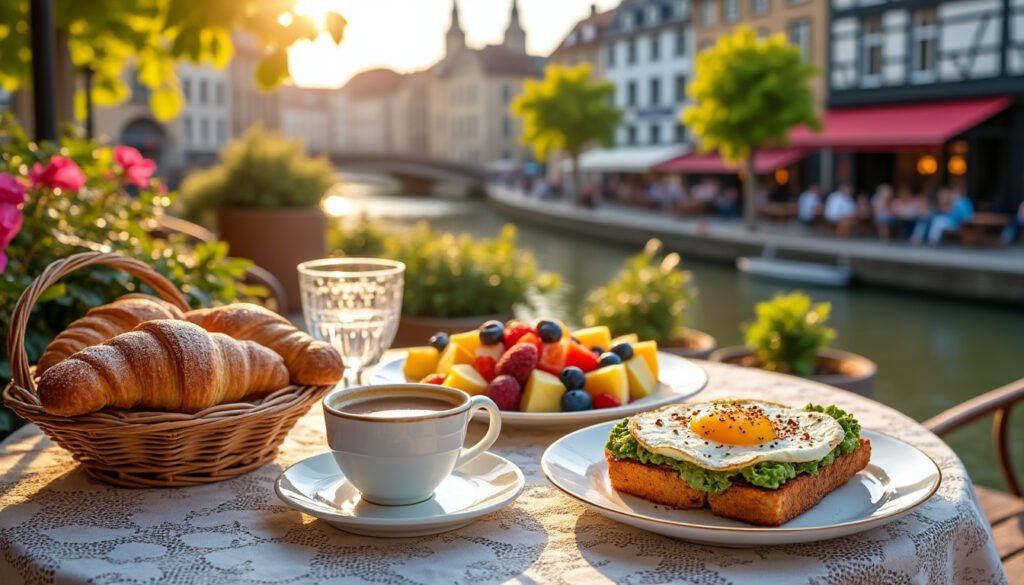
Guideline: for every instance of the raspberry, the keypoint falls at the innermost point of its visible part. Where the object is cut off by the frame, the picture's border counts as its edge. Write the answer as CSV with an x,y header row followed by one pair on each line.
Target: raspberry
x,y
606,401
518,362
514,330
485,365
505,392
433,379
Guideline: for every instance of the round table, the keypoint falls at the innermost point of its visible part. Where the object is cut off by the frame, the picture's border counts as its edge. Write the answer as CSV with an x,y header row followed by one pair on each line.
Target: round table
x,y
57,525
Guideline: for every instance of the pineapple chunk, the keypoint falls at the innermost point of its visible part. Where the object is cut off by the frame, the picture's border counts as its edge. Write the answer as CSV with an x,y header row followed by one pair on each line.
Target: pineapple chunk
x,y
452,355
467,340
420,362
467,379
609,380
543,393
629,338
641,381
599,336
649,351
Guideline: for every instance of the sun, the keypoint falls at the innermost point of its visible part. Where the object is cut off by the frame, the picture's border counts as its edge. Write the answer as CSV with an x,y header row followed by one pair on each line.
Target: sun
x,y
318,63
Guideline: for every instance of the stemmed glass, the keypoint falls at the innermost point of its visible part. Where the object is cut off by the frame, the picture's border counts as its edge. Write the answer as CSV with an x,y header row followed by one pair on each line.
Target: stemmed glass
x,y
354,304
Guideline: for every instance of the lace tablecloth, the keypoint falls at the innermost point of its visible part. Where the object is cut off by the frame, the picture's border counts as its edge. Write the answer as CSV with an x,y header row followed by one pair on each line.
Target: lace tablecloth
x,y
58,526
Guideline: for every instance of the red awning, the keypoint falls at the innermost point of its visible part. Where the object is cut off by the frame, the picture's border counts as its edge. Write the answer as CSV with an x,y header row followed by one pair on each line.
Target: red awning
x,y
898,126
765,161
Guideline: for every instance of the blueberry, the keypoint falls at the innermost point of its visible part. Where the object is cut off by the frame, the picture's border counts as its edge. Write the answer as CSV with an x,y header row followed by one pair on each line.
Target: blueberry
x,y
575,400
572,378
624,351
549,331
439,340
492,332
597,349
608,359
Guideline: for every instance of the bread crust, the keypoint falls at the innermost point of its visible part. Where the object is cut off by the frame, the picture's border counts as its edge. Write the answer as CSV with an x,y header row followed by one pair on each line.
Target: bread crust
x,y
742,501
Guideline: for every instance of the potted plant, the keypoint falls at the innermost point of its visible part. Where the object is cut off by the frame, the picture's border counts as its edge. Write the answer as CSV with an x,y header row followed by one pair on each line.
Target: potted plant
x,y
265,184
452,282
790,336
649,297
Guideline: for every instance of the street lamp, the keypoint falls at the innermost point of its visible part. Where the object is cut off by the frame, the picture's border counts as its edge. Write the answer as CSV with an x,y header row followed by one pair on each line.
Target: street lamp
x,y
43,76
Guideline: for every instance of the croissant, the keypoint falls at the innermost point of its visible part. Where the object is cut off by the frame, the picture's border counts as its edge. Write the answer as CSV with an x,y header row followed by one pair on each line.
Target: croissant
x,y
309,361
103,323
164,365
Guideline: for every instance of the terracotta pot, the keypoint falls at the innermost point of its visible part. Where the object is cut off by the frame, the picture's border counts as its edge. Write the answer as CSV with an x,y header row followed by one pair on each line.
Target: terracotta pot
x,y
276,239
856,373
693,344
414,331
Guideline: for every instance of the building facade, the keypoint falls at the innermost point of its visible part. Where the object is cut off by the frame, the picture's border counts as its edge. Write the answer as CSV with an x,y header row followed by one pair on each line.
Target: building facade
x,y
365,113
205,121
249,104
583,43
307,113
962,60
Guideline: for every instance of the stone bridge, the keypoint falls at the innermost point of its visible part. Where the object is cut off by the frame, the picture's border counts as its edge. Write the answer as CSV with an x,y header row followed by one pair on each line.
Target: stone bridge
x,y
416,174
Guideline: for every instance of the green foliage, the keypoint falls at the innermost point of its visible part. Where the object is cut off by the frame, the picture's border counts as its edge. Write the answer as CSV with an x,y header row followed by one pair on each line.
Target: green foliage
x,y
259,170
363,239
108,35
101,216
649,297
749,92
448,275
566,110
788,333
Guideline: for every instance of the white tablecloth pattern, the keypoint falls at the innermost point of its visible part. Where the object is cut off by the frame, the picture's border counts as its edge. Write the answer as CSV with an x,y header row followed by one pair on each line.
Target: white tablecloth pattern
x,y
58,526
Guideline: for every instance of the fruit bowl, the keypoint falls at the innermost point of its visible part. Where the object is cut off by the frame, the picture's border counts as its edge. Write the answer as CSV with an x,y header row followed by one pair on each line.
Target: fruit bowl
x,y
678,379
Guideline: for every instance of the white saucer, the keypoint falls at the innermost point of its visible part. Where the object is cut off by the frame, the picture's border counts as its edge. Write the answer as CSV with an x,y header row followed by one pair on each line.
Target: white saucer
x,y
317,487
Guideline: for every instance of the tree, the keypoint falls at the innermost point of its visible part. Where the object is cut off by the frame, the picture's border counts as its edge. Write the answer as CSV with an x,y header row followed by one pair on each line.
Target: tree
x,y
105,36
748,92
566,111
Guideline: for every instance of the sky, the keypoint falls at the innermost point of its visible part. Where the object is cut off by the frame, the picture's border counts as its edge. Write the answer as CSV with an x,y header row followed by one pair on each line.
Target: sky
x,y
407,35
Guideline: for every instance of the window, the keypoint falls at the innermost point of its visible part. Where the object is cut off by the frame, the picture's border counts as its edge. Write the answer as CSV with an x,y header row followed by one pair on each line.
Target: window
x,y
186,88
655,91
707,13
680,133
219,93
800,36
222,131
204,131
190,136
926,36
506,94
872,39
655,134
655,47
638,17
203,94
631,51
680,89
631,135
758,7
680,41
506,127
732,11
610,55
589,33
631,93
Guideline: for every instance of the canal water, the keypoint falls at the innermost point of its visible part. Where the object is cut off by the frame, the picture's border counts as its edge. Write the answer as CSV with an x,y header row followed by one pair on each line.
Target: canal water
x,y
932,353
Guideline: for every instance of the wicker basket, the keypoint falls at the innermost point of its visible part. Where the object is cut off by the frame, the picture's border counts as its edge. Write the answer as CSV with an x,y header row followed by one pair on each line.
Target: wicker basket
x,y
153,449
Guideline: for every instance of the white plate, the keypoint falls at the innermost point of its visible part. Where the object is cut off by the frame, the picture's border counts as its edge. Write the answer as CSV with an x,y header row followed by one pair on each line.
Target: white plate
x,y
898,479
679,379
317,487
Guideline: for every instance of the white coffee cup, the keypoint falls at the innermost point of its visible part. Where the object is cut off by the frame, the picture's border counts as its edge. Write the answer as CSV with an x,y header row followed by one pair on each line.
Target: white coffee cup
x,y
395,452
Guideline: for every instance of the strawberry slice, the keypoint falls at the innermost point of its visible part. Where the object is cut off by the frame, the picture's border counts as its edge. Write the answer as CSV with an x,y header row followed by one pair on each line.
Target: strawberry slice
x,y
552,356
581,357
606,401
515,330
532,339
485,364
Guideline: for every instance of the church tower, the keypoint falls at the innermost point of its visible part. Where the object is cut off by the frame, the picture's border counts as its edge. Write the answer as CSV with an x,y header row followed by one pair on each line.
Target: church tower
x,y
455,40
515,36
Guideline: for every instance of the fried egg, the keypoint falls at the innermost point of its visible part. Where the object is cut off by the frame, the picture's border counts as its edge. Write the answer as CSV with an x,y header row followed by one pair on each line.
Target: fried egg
x,y
731,434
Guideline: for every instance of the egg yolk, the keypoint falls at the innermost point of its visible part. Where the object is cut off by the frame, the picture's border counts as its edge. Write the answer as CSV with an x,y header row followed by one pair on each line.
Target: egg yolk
x,y
734,428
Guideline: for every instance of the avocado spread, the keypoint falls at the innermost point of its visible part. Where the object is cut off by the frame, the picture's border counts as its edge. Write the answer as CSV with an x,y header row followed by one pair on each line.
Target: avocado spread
x,y
766,474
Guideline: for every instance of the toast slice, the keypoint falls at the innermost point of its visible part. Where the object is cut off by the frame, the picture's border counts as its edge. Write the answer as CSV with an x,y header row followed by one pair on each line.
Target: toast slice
x,y
742,501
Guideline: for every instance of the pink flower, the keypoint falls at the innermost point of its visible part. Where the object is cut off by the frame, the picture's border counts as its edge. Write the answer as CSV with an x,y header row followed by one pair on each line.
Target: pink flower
x,y
11,189
10,225
60,173
137,168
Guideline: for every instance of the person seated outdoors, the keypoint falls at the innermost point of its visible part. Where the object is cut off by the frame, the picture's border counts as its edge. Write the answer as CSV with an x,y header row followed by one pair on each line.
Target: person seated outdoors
x,y
882,207
727,203
1016,227
809,204
841,210
672,195
905,211
954,209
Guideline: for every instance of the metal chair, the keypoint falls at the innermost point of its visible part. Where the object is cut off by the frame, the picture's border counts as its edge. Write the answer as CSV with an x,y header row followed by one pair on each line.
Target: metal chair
x,y
1005,511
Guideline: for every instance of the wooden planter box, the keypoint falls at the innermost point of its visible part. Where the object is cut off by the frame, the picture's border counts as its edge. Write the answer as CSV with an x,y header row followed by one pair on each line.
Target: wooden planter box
x,y
856,372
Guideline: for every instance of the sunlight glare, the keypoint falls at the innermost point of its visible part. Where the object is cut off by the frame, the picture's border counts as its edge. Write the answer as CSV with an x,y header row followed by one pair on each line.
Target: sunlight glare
x,y
285,19
336,205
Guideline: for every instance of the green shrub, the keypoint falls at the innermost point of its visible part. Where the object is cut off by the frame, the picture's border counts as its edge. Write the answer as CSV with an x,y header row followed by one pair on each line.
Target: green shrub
x,y
649,297
361,238
260,170
788,333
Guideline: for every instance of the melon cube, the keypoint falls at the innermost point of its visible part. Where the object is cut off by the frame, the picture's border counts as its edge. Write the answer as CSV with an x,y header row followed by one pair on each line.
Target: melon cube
x,y
468,340
629,338
641,381
649,351
452,355
609,380
467,379
543,393
420,362
599,336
